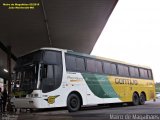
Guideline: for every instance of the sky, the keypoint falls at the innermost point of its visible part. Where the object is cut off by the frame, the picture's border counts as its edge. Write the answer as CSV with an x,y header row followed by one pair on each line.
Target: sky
x,y
132,34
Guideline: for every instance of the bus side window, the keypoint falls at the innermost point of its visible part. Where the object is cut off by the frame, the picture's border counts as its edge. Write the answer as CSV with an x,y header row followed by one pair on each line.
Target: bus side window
x,y
133,71
123,70
143,73
80,66
107,68
99,67
150,74
136,72
70,63
91,66
114,69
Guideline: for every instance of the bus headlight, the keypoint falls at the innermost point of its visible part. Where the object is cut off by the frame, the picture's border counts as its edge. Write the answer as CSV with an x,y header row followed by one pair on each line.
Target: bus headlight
x,y
33,95
29,95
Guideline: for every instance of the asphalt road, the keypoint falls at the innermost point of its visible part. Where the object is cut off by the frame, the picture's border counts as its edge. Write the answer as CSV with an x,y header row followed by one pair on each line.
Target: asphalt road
x,y
151,110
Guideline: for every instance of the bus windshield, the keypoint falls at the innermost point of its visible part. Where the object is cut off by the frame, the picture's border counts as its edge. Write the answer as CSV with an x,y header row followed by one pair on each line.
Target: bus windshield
x,y
40,70
28,77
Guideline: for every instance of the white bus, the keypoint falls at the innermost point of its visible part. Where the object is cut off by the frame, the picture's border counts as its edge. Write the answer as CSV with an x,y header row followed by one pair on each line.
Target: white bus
x,y
51,77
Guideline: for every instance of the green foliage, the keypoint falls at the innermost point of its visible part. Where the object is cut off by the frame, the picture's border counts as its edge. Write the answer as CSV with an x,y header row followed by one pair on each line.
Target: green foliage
x,y
157,87
19,93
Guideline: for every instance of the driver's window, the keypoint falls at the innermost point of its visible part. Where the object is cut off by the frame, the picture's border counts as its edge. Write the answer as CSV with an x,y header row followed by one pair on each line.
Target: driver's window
x,y
47,78
48,71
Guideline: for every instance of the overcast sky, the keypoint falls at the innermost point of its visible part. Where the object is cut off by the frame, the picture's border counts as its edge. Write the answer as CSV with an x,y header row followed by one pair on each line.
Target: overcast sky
x,y
132,34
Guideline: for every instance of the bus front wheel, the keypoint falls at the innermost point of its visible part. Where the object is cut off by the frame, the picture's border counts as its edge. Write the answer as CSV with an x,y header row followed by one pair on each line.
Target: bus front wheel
x,y
73,103
135,99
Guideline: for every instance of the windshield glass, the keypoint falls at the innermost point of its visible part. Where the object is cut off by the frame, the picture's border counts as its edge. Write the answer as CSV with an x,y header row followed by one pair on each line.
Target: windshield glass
x,y
28,77
40,70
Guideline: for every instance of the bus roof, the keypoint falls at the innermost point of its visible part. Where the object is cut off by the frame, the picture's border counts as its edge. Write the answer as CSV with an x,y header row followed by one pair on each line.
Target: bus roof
x,y
90,56
51,48
44,48
106,59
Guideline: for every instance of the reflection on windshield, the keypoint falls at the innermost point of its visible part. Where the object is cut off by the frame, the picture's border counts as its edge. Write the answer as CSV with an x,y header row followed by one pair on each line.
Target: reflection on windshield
x,y
28,77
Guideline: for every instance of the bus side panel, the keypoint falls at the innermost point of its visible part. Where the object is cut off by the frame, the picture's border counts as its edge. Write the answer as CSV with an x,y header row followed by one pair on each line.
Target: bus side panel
x,y
125,87
74,82
99,89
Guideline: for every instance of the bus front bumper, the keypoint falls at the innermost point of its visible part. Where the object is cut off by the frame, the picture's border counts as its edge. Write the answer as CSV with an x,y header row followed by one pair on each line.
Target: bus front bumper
x,y
30,103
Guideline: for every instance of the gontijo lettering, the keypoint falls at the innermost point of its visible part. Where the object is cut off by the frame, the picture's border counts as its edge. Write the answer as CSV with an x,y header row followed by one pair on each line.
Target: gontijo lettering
x,y
126,81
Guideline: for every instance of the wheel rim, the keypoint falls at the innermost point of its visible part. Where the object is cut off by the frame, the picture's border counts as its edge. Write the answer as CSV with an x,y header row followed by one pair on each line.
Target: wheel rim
x,y
142,99
74,102
136,99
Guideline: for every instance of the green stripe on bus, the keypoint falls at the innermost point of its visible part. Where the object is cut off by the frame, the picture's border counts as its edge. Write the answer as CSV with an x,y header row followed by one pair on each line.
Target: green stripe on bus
x,y
100,85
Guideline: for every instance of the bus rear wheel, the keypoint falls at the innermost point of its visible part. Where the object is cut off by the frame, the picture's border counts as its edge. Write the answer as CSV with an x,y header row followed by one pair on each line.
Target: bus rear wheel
x,y
135,99
73,103
142,99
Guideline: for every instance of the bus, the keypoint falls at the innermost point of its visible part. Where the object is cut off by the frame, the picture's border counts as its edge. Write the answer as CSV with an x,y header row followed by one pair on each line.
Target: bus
x,y
52,77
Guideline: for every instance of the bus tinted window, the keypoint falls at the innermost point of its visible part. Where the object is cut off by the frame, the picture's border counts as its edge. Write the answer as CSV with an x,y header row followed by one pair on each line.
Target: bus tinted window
x,y
134,72
107,68
52,57
51,77
99,67
74,63
80,66
58,70
48,78
123,70
113,69
120,70
70,62
90,65
143,73
149,74
29,58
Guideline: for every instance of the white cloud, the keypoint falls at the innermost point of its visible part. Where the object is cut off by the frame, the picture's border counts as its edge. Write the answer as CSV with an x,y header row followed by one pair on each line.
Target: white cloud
x,y
132,34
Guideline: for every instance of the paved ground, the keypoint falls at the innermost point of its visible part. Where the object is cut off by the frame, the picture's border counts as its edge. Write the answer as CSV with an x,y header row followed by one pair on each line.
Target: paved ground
x,y
151,110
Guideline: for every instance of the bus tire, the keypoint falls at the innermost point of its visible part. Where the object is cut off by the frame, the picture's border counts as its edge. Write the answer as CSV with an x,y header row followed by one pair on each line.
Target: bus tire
x,y
73,103
135,99
142,99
